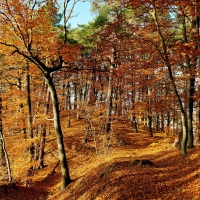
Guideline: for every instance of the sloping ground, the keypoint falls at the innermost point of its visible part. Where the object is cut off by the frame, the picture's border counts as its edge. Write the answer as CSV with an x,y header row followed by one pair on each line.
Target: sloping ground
x,y
172,177
112,176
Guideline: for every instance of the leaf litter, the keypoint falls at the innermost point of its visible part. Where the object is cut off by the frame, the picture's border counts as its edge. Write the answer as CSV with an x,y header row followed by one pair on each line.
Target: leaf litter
x,y
172,176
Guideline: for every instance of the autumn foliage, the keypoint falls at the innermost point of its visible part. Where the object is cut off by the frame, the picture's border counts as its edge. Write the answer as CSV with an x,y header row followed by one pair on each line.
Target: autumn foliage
x,y
136,64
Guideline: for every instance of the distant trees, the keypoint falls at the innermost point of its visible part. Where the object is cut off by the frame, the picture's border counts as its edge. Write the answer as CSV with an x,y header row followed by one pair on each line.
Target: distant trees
x,y
169,29
158,43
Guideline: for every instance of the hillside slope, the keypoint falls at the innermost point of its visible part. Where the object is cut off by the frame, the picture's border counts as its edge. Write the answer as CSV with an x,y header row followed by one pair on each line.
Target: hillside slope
x,y
113,176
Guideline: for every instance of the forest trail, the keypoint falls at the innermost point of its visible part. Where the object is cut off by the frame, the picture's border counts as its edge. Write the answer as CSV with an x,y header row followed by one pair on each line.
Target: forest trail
x,y
112,176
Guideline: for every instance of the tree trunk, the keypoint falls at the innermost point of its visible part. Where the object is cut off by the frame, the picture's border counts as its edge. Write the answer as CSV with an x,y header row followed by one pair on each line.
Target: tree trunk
x,y
68,103
28,101
21,104
189,87
75,96
172,81
61,150
6,158
149,118
109,92
184,134
29,112
43,132
157,123
3,151
42,146
133,122
1,130
191,84
109,106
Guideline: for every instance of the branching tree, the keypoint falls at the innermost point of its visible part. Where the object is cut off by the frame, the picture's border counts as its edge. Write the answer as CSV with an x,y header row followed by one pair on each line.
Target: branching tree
x,y
29,33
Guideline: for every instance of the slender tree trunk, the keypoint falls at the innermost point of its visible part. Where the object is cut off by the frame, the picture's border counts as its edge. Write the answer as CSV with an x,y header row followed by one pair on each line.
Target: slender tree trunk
x,y
109,92
109,105
43,132
171,78
91,91
61,149
75,95
162,124
191,83
66,17
28,101
190,142
68,99
29,112
21,104
158,123
3,151
1,130
149,118
133,122
190,89
197,9
184,134
133,118
6,158
42,146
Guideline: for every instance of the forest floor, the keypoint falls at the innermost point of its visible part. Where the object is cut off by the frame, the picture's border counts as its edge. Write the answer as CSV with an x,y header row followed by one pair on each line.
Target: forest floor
x,y
111,176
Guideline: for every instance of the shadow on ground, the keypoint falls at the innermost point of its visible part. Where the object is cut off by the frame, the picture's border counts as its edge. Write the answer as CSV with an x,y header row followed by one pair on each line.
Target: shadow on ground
x,y
119,180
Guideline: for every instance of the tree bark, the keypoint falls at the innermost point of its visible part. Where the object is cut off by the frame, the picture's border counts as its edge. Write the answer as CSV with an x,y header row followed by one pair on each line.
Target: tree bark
x,y
43,132
1,129
61,149
190,142
109,106
133,122
29,112
28,101
42,146
149,119
68,104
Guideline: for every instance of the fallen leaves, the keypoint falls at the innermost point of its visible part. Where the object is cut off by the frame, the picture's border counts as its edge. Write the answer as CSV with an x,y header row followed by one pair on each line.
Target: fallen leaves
x,y
113,177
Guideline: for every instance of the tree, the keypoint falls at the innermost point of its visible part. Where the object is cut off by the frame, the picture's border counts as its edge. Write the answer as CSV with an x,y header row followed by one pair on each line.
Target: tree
x,y
1,125
173,24
3,151
29,110
66,16
29,33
